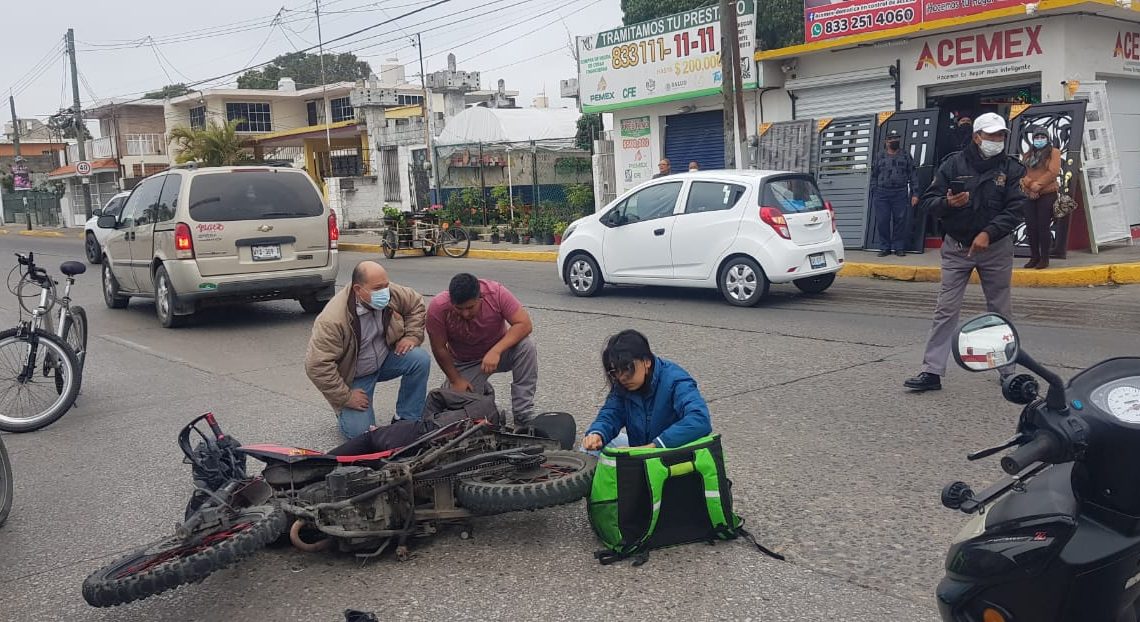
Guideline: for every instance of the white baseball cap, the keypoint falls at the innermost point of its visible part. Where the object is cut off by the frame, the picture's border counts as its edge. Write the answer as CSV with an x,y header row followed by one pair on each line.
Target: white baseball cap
x,y
990,123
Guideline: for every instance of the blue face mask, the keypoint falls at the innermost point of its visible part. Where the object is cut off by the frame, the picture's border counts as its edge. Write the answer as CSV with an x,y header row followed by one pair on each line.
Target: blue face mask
x,y
1040,143
380,299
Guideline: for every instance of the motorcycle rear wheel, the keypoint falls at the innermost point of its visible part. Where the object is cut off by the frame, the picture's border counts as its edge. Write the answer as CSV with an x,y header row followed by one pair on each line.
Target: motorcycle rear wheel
x,y
564,477
171,562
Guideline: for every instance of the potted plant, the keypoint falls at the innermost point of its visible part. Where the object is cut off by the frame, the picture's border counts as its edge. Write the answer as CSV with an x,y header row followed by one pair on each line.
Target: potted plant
x,y
495,234
393,216
559,229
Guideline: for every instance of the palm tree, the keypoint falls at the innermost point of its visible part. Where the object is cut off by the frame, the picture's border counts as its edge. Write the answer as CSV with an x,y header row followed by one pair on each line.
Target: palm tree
x,y
216,144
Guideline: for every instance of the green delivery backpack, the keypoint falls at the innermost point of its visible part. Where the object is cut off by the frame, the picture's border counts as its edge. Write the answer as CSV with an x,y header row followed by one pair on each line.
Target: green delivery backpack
x,y
649,498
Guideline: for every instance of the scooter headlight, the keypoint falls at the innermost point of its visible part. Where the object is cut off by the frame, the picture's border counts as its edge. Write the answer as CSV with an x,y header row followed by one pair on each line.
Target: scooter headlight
x,y
1021,552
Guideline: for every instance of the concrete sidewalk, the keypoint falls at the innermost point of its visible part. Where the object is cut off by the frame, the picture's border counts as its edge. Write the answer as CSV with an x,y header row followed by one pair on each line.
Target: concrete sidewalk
x,y
1113,265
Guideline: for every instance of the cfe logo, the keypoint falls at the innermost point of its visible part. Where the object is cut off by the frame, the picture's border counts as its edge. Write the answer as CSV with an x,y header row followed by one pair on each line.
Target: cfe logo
x,y
630,92
1003,45
1127,46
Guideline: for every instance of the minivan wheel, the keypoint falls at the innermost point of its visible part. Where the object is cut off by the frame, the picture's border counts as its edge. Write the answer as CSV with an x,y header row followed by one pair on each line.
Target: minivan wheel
x,y
815,284
111,295
311,305
91,245
583,276
165,300
742,282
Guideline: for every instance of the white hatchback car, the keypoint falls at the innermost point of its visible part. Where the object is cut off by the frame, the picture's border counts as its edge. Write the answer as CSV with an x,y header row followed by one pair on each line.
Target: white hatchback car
x,y
738,231
93,237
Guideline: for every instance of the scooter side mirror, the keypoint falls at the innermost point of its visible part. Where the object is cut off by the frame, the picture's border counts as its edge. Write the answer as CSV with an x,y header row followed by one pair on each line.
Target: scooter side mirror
x,y
986,342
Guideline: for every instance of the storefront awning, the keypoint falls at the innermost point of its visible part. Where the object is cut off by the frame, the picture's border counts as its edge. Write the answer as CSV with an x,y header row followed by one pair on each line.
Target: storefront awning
x,y
97,166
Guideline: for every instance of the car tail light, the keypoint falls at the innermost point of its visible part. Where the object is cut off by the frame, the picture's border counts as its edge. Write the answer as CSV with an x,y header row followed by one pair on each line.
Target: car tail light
x,y
776,220
830,212
183,242
334,232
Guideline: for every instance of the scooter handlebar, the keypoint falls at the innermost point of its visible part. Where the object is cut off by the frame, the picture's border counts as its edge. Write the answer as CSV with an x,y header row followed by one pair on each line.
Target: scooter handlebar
x,y
1039,449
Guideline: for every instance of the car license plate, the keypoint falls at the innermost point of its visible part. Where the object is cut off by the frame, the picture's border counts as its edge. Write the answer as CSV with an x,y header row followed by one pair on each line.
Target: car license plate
x,y
817,260
266,252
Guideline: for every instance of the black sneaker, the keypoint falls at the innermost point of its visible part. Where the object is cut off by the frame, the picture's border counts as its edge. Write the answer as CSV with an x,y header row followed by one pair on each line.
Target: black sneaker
x,y
925,381
884,253
901,253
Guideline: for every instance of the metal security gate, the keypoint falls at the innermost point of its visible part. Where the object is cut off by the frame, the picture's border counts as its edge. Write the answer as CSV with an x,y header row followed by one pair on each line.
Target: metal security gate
x,y
788,146
696,137
605,174
844,172
919,130
870,91
43,207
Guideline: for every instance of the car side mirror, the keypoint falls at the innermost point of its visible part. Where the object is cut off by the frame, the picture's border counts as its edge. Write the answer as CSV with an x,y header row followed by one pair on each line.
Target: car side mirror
x,y
108,222
986,342
97,212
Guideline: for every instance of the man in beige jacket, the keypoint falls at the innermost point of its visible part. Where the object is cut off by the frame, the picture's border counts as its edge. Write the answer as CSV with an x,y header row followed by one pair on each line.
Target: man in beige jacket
x,y
369,332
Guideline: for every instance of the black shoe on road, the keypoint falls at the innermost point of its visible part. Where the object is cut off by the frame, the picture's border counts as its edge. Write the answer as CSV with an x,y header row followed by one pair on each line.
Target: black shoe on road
x,y
884,253
901,253
924,382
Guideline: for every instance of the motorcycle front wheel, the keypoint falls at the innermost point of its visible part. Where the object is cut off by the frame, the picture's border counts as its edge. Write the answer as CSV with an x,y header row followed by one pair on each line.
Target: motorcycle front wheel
x,y
5,484
563,477
172,561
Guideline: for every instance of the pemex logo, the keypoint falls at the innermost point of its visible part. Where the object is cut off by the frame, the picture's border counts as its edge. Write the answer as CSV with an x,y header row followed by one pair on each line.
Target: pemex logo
x,y
926,58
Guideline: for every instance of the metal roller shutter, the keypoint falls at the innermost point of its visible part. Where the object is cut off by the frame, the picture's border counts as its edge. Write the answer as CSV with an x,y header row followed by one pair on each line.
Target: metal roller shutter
x,y
869,91
698,136
1123,100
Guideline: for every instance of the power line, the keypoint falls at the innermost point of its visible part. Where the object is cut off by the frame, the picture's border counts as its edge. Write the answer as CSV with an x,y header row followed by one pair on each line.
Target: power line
x,y
561,48
154,48
579,9
37,67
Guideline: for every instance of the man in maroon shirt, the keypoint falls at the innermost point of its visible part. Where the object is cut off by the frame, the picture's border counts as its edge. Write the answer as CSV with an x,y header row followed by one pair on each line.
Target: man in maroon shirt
x,y
478,328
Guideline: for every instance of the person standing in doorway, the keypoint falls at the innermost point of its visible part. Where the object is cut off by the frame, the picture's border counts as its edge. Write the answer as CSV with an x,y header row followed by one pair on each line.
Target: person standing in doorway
x,y
1043,164
664,168
963,133
694,167
894,190
976,196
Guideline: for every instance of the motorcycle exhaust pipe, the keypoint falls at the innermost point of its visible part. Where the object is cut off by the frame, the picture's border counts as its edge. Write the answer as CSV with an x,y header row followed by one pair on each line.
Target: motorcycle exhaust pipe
x,y
308,547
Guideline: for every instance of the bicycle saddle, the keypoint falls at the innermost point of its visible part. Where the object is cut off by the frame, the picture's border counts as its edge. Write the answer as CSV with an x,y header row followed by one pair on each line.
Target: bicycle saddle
x,y
72,268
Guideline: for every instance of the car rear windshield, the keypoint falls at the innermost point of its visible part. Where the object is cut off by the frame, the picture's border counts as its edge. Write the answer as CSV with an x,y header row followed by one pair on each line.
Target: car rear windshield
x,y
253,195
792,195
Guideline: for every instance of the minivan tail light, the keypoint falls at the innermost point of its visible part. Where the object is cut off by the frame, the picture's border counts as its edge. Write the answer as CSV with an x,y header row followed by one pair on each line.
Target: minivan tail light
x,y
183,242
830,212
334,232
776,220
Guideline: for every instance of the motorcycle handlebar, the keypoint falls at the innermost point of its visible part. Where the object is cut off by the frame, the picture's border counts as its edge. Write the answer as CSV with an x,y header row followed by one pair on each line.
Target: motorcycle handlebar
x,y
1039,449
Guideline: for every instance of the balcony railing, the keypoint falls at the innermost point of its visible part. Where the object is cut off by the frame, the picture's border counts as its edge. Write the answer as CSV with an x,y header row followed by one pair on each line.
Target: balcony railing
x,y
96,149
144,144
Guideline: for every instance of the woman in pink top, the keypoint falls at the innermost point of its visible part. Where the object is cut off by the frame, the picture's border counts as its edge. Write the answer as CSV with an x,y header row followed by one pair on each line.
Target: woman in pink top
x,y
478,328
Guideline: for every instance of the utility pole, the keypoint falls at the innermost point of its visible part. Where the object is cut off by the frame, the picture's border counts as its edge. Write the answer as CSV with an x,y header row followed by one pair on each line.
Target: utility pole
x,y
324,85
15,126
727,83
426,108
733,36
80,128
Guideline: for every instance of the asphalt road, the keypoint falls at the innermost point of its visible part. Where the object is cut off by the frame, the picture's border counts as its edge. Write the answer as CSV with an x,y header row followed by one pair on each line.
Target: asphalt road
x,y
832,462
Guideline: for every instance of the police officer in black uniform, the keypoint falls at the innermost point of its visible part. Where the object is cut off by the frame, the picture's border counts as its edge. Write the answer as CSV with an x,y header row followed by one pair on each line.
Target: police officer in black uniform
x,y
894,190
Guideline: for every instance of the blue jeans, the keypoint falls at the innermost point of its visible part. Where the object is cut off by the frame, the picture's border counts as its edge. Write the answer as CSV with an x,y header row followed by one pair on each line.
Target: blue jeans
x,y
892,218
412,369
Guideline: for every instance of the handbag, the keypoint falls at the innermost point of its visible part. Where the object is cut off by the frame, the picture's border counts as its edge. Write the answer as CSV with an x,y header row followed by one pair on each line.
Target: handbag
x,y
1063,206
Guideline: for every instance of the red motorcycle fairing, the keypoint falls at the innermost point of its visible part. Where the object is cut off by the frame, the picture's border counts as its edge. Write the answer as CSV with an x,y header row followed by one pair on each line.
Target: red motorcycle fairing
x,y
270,452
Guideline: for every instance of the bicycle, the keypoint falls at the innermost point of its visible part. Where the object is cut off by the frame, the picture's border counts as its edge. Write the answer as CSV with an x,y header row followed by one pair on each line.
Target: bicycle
x,y
35,349
424,232
5,484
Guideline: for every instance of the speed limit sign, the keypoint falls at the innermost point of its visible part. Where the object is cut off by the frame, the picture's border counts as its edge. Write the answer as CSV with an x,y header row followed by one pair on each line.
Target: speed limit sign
x,y
83,168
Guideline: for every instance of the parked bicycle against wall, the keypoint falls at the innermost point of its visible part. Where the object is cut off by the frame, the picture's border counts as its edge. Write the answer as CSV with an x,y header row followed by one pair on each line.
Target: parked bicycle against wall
x,y
41,360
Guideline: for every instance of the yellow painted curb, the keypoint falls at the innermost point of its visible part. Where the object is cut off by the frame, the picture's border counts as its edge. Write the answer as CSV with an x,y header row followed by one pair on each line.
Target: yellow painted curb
x,y
544,256
39,233
1062,277
879,271
353,247
3,232
1125,273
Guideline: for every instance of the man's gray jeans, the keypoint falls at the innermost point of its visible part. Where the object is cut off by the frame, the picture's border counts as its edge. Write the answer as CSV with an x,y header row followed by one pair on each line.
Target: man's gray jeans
x,y
995,270
522,362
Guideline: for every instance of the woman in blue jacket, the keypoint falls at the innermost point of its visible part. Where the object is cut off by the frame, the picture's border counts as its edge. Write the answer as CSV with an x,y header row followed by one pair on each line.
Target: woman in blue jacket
x,y
655,400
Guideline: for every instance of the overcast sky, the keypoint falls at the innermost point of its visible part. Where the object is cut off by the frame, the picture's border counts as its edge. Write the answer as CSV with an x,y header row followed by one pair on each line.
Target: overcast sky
x,y
522,41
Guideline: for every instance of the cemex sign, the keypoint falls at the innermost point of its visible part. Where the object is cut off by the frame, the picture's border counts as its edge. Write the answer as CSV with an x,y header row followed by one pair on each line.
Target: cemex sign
x,y
982,54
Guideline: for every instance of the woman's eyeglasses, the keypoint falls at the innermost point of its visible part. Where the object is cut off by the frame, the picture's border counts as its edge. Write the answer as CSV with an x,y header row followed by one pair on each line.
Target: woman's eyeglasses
x,y
620,373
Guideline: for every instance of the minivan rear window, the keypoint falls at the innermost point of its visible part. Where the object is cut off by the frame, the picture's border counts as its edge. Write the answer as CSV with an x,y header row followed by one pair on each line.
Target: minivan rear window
x,y
253,195
792,195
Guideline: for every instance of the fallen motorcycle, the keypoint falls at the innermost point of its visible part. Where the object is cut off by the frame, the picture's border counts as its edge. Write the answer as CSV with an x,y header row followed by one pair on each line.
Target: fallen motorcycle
x,y
1059,539
361,504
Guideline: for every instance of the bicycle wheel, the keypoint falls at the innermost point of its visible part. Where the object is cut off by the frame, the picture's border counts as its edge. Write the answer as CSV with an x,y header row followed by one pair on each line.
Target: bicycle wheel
x,y
75,333
455,242
30,364
5,484
390,244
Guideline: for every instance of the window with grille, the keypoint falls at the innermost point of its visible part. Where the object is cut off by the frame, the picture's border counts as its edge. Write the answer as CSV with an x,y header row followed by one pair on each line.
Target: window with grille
x,y
198,118
255,117
410,100
342,110
390,165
